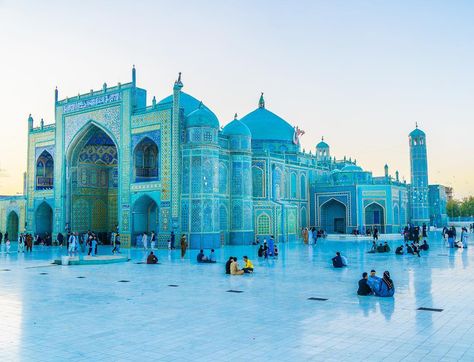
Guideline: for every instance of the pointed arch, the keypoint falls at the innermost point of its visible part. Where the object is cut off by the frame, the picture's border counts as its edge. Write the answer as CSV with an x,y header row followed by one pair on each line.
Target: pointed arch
x,y
145,216
13,225
264,225
43,219
44,171
146,160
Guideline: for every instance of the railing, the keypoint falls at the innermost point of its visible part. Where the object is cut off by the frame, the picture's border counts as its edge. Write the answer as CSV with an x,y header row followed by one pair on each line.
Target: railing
x,y
146,172
44,182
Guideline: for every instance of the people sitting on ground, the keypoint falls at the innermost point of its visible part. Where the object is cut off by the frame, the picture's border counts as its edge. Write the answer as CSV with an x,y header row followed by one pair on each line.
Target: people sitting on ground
x,y
386,247
200,257
364,288
424,246
227,264
151,259
260,251
399,250
248,266
374,248
337,261
380,248
344,260
416,249
265,249
234,267
275,252
386,287
409,249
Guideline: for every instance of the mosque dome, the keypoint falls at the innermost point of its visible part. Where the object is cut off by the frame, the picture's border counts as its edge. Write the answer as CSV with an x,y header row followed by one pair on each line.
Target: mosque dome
x,y
236,128
186,101
202,117
266,125
322,144
351,168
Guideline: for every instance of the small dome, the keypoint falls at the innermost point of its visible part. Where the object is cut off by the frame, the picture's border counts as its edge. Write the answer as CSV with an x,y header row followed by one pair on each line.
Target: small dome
x,y
202,117
236,128
322,144
336,170
351,168
417,132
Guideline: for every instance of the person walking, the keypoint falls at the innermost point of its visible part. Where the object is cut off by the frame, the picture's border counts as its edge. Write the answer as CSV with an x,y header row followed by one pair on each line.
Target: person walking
x,y
145,241
172,239
152,240
21,243
29,243
72,244
184,245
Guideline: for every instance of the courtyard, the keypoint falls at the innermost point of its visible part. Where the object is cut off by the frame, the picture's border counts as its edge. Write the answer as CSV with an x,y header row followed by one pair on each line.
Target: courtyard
x,y
180,310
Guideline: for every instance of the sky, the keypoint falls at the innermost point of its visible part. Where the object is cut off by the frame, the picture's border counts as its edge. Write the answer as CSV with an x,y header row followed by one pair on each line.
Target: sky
x,y
359,73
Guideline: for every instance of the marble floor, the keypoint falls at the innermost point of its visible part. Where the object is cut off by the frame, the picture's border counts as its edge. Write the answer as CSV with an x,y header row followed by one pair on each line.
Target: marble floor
x,y
130,311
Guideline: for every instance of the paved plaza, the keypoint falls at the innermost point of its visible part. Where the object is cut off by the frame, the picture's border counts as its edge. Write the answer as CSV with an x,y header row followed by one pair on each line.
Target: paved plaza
x,y
183,311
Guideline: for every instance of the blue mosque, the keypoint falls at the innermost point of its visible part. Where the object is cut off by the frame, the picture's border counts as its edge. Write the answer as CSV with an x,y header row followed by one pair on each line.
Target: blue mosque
x,y
111,161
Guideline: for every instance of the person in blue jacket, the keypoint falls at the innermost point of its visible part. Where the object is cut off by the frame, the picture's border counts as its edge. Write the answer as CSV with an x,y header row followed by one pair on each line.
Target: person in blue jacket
x,y
271,246
385,287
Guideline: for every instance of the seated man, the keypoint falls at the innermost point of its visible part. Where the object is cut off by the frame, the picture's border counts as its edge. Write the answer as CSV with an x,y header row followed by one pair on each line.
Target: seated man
x,y
374,281
364,288
248,267
424,246
212,256
344,260
200,257
234,267
152,259
337,261
386,247
380,248
399,250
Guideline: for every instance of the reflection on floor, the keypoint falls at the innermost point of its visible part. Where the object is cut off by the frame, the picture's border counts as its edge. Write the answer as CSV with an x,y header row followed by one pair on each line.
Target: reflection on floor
x,y
294,308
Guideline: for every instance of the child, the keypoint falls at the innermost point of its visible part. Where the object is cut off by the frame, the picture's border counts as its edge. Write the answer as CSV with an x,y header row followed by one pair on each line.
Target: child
x,y
7,244
21,244
169,244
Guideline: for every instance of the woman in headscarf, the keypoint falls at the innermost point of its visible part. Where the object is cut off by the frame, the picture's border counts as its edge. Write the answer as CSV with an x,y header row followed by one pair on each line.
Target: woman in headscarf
x,y
386,287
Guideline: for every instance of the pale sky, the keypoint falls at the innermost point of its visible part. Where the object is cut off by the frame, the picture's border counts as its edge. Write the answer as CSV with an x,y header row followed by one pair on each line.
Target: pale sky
x,y
358,72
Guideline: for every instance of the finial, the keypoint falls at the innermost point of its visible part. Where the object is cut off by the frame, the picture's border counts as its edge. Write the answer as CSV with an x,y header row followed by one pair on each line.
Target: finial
x,y
416,124
178,84
42,123
154,101
179,77
322,138
104,87
235,116
261,102
56,93
134,75
200,104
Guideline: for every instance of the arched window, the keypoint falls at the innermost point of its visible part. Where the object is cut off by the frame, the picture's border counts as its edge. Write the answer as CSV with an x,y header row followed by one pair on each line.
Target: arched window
x,y
44,171
263,225
303,187
293,185
258,182
146,160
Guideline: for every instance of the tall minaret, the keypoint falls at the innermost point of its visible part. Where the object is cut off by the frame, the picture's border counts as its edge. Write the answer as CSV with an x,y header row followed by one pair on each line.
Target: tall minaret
x,y
419,178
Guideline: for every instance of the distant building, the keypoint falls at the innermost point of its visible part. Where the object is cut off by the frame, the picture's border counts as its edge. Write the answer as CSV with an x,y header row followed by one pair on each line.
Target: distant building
x,y
438,201
111,161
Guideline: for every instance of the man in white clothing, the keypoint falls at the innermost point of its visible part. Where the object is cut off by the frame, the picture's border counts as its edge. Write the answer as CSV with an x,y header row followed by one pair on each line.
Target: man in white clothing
x,y
145,241
72,244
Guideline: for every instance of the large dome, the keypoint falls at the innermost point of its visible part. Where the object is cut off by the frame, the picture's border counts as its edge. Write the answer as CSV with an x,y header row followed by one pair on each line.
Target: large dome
x,y
186,101
236,128
351,168
202,117
266,125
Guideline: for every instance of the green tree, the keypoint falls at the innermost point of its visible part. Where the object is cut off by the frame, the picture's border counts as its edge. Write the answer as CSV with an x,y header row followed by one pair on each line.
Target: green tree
x,y
453,208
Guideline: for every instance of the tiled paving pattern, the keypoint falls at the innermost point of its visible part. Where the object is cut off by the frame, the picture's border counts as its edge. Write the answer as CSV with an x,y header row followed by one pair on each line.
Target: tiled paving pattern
x,y
83,313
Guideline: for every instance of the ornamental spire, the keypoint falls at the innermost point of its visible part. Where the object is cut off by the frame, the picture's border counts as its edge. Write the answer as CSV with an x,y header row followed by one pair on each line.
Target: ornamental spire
x,y
261,102
235,116
178,84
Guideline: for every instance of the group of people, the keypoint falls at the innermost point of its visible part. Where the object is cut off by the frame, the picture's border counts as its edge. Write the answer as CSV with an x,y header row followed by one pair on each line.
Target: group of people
x,y
339,260
201,258
268,249
89,241
413,248
311,235
24,241
449,235
381,248
374,285
232,266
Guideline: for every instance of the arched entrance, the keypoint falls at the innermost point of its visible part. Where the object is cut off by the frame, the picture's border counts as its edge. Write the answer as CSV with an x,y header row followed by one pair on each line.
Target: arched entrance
x,y
145,216
93,182
43,219
12,225
375,217
333,217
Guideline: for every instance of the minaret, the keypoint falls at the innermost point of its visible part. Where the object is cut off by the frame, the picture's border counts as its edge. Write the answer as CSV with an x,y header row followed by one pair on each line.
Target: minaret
x,y
261,101
419,178
323,155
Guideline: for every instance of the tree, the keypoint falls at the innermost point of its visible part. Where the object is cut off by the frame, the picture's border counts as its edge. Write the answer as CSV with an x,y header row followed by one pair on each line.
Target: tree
x,y
453,208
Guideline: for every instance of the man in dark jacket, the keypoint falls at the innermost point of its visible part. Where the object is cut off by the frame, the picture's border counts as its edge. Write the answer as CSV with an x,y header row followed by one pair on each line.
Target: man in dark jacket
x,y
364,288
337,261
227,265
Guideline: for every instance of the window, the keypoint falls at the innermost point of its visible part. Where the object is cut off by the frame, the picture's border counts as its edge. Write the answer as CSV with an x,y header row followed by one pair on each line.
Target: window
x,y
146,160
263,225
